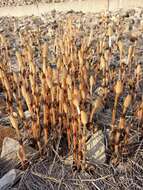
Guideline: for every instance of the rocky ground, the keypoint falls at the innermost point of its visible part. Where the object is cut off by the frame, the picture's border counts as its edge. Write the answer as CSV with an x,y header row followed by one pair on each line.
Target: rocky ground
x,y
4,3
53,171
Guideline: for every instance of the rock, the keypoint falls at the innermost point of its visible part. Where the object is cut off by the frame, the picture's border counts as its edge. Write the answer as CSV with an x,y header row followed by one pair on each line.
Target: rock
x,y
6,132
10,148
96,148
5,166
9,179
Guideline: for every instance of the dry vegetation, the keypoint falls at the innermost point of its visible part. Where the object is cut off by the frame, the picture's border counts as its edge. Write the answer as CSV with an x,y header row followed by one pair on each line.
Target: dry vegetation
x,y
92,80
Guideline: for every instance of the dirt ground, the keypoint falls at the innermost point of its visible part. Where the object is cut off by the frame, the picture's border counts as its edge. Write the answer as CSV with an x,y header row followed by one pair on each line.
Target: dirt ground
x,y
85,6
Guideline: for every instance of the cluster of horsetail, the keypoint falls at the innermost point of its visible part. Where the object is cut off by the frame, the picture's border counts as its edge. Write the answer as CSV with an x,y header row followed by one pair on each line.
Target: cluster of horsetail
x,y
64,97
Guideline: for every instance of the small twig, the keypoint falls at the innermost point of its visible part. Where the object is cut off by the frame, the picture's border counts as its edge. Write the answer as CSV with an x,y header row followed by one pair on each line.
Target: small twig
x,y
95,186
56,154
91,180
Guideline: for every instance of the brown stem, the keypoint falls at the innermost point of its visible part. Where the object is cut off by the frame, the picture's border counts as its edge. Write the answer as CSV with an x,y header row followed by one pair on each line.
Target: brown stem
x,y
114,110
75,150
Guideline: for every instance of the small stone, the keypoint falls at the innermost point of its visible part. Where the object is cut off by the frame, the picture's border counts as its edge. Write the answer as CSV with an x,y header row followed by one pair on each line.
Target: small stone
x,y
68,160
27,114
